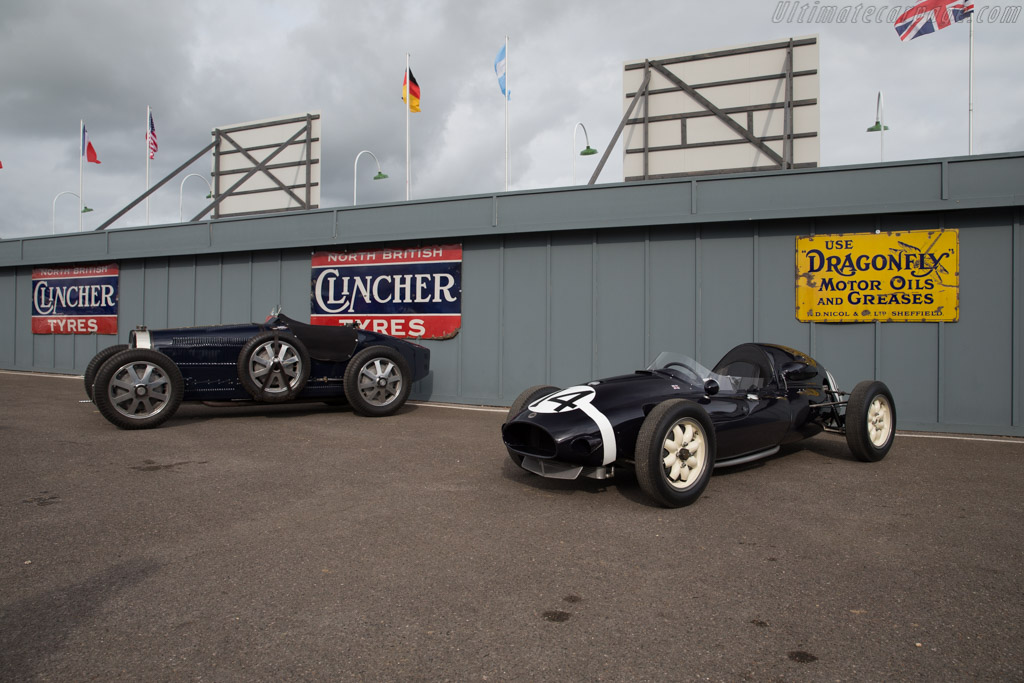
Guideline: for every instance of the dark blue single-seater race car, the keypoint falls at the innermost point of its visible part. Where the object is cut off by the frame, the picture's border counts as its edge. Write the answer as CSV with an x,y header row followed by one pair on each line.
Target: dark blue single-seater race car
x,y
676,421
141,384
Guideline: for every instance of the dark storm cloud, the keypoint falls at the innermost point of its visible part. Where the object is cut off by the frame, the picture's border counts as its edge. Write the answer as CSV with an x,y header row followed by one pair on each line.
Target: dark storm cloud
x,y
202,65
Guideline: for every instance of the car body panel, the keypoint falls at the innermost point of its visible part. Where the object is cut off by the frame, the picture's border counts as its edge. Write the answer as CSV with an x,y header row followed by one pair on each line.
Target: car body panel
x,y
749,417
208,355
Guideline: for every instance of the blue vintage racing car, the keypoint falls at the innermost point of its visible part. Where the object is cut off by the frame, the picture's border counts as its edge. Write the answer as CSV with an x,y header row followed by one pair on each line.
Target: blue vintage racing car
x,y
676,420
141,384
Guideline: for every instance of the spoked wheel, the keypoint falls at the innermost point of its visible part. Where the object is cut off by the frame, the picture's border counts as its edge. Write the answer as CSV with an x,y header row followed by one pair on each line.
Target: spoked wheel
x,y
377,381
519,405
97,362
273,367
870,421
138,389
675,453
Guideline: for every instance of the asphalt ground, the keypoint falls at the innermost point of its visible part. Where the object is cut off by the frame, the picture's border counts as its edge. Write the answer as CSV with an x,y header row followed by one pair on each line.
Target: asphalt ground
x,y
303,542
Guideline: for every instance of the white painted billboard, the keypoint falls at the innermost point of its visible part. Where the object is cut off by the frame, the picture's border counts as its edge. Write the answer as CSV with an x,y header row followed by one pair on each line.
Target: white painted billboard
x,y
745,108
267,165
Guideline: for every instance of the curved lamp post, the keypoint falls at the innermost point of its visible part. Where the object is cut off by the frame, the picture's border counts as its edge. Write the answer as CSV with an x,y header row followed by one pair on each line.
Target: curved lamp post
x,y
182,187
53,211
381,175
880,126
585,152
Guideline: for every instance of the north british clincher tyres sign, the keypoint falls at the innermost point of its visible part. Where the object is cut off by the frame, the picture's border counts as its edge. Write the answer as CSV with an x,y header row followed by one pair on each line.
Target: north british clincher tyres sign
x,y
404,292
75,299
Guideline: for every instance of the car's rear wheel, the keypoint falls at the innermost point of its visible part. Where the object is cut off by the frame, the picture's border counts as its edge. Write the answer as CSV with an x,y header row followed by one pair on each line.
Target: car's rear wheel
x,y
519,405
138,389
273,367
675,453
97,362
870,421
377,381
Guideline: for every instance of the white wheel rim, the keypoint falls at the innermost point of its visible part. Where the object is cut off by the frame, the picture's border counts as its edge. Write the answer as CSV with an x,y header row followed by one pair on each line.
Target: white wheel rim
x,y
275,367
379,382
684,453
879,421
139,390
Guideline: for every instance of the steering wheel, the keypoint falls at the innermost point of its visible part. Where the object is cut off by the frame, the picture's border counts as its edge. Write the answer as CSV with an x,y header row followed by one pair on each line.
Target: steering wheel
x,y
697,379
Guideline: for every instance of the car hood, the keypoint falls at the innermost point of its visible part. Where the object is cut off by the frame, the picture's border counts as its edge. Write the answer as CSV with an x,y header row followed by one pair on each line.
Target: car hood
x,y
600,418
221,335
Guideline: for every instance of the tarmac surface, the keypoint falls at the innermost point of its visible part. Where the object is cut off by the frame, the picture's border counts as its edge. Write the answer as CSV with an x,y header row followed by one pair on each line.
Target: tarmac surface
x,y
303,542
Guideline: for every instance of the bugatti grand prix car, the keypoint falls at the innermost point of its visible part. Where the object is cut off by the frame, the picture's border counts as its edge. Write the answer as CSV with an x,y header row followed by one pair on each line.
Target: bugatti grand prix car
x,y
141,384
676,421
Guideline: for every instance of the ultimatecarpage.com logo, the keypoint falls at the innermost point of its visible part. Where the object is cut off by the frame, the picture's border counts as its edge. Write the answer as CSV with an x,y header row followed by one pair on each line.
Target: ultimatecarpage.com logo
x,y
789,12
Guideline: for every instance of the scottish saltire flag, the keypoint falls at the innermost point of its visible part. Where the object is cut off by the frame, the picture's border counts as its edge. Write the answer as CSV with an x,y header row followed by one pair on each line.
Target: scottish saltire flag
x,y
151,137
931,15
499,69
88,151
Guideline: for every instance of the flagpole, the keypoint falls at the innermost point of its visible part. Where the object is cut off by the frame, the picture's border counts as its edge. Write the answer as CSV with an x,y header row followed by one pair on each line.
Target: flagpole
x,y
81,157
970,96
147,163
508,162
408,108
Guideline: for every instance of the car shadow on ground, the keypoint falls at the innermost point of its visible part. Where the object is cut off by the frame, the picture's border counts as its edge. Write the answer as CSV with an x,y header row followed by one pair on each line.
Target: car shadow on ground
x,y
623,483
193,413
832,446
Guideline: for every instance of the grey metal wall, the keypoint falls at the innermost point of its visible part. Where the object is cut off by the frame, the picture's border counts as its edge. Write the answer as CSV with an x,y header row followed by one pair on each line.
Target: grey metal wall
x,y
551,298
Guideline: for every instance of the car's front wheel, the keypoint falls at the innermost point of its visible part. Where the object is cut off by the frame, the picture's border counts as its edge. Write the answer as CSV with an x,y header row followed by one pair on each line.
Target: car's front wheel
x,y
870,421
377,381
675,453
138,389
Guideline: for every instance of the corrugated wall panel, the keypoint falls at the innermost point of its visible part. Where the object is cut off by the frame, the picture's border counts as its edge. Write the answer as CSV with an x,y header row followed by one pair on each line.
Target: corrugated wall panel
x,y
571,310
156,294
672,291
296,287
236,287
477,371
266,284
620,289
976,352
208,289
524,307
181,310
776,314
726,290
8,312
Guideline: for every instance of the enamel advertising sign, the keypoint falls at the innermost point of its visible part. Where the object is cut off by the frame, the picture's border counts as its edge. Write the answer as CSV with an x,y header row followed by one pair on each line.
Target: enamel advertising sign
x,y
75,300
884,277
413,293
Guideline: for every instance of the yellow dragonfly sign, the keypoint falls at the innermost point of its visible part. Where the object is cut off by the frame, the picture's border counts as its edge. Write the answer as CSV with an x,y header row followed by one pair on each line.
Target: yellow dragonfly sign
x,y
909,276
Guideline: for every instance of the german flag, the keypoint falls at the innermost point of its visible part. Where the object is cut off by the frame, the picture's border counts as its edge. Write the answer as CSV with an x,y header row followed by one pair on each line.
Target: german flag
x,y
412,90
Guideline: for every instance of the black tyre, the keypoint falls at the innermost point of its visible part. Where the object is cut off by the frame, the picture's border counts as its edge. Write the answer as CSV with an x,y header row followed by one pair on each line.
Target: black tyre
x,y
675,453
97,361
138,389
519,405
273,367
870,421
377,381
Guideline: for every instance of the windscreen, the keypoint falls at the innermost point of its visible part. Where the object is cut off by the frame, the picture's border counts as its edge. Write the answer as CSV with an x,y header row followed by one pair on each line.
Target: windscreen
x,y
693,373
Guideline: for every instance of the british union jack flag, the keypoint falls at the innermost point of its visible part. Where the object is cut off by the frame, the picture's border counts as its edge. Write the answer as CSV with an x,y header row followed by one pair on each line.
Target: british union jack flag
x,y
931,15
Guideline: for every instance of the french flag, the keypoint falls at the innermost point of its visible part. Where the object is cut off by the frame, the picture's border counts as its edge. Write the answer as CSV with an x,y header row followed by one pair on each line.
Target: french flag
x,y
88,151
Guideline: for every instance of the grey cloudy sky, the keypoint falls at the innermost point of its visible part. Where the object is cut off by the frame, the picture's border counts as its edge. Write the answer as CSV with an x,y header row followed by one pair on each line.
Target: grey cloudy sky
x,y
209,64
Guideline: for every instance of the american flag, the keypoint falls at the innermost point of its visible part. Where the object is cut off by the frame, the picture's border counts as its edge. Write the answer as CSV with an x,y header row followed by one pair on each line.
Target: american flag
x,y
931,15
151,137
